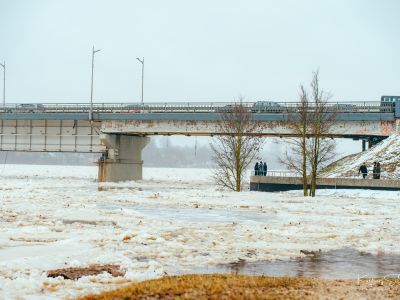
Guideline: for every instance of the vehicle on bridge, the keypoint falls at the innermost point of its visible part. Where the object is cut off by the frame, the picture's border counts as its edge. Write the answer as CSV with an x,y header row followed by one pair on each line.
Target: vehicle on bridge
x,y
224,109
26,108
266,106
342,107
135,108
389,100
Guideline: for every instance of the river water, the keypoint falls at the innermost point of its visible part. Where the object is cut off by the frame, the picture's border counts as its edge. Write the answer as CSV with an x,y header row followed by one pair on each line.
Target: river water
x,y
339,263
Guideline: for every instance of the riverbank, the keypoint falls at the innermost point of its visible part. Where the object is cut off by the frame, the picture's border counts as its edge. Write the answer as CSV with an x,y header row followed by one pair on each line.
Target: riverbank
x,y
237,287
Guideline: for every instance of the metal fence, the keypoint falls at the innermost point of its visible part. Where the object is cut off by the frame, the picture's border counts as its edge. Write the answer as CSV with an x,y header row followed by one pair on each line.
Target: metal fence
x,y
193,107
275,173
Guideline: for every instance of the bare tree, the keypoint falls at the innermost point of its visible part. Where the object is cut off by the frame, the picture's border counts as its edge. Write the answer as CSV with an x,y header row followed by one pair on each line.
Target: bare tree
x,y
235,146
321,150
297,123
310,124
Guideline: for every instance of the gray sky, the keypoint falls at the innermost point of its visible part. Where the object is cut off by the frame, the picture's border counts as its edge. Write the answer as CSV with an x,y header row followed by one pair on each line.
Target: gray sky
x,y
205,50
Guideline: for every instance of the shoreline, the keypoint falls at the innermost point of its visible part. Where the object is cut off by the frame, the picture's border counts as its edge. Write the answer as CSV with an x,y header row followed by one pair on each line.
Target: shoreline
x,y
222,286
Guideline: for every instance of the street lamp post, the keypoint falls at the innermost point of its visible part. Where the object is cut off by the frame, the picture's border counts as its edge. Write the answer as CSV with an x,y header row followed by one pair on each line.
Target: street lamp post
x,y
91,86
4,82
142,62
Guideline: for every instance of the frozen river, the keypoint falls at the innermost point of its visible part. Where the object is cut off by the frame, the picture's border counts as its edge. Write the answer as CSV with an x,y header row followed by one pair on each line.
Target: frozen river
x,y
174,221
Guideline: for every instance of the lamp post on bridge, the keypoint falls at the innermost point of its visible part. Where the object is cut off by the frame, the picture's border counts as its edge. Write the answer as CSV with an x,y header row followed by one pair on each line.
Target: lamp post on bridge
x,y
4,82
91,86
142,62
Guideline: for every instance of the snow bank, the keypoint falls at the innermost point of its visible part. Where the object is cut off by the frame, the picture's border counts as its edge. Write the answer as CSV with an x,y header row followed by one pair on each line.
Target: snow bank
x,y
387,153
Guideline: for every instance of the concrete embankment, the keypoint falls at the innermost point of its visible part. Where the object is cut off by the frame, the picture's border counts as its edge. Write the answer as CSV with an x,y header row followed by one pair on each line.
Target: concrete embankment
x,y
281,183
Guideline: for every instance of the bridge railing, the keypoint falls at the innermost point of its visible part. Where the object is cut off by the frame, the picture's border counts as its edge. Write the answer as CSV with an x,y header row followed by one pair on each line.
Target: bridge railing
x,y
192,107
275,173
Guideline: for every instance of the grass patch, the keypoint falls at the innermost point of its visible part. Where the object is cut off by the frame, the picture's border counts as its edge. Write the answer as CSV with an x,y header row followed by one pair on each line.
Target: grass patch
x,y
218,286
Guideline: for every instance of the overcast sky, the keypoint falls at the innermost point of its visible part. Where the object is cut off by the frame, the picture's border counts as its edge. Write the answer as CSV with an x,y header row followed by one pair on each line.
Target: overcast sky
x,y
205,50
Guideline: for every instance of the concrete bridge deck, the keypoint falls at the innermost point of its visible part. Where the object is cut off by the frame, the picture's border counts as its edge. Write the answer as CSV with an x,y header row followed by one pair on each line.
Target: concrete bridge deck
x,y
354,120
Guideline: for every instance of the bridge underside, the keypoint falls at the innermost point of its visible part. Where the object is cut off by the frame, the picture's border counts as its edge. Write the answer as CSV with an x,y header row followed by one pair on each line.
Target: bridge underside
x,y
50,136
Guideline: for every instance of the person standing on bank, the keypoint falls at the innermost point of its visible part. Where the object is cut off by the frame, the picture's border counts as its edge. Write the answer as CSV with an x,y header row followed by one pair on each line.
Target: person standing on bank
x,y
378,170
265,169
363,170
256,168
374,171
260,168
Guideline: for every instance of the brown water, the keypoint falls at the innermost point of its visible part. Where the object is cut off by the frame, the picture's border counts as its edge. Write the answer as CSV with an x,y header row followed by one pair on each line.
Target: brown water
x,y
342,263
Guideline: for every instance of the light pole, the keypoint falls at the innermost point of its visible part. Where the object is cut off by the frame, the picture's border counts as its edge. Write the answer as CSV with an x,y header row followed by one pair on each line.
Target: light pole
x,y
91,86
4,82
142,62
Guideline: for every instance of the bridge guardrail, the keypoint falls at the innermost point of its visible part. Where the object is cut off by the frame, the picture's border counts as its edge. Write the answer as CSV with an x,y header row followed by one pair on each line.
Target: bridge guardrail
x,y
190,107
276,173
286,173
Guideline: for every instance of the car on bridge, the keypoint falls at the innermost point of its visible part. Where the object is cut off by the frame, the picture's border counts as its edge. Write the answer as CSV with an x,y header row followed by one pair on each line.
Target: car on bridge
x,y
266,106
26,108
224,109
135,108
342,107
245,107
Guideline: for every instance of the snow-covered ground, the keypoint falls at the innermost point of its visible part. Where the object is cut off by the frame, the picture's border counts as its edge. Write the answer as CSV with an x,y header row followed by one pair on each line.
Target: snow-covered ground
x,y
387,153
175,220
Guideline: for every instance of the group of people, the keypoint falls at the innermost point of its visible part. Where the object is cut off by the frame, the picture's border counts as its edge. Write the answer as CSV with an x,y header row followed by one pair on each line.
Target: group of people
x,y
376,171
260,169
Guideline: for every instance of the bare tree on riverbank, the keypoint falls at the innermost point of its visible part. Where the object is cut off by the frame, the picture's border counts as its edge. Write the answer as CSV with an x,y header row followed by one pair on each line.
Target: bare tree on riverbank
x,y
298,125
311,123
237,144
322,149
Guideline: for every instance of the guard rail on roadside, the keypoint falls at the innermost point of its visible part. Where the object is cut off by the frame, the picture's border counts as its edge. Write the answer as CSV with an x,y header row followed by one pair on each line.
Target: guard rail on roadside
x,y
191,107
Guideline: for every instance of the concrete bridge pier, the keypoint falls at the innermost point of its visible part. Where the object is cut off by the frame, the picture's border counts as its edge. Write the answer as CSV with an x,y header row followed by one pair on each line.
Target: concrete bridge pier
x,y
123,159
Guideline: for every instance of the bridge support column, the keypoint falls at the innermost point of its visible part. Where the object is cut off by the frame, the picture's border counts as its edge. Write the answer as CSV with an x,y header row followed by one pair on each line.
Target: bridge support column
x,y
123,160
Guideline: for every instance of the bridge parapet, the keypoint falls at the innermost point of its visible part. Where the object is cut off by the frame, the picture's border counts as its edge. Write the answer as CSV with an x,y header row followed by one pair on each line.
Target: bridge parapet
x,y
190,107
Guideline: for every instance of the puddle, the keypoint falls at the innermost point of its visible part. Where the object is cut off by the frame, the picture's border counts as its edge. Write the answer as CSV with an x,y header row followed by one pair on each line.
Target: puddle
x,y
196,214
343,263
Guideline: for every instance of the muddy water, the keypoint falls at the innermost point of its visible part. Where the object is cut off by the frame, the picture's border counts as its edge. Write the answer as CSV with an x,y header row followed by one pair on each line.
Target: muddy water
x,y
342,263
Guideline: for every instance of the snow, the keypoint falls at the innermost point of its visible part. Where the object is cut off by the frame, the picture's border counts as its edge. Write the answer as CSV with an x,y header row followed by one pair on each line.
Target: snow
x,y
386,152
174,221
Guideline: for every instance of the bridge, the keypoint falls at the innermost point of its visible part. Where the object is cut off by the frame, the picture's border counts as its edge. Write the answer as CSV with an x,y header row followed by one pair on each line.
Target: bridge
x,y
119,131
